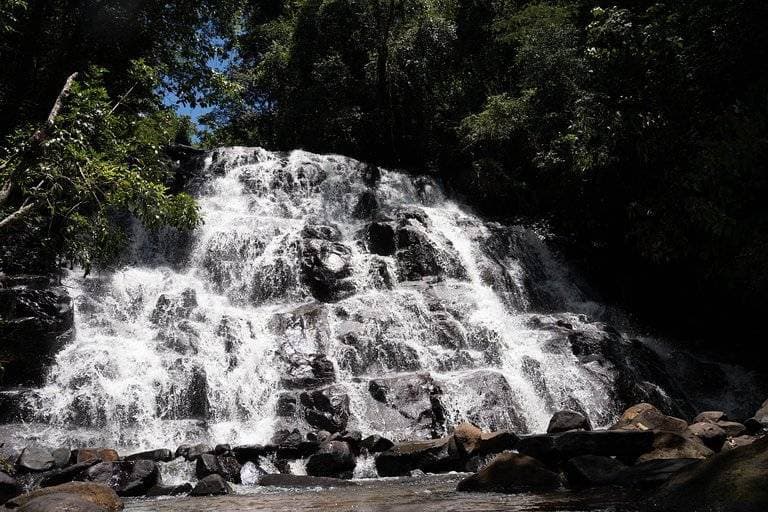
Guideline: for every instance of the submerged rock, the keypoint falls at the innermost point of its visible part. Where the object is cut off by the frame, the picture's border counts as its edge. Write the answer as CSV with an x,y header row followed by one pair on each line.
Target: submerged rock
x,y
72,497
511,473
434,456
303,481
592,471
334,459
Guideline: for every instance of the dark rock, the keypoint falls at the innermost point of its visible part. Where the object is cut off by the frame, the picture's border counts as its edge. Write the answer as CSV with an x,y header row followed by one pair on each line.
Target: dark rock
x,y
760,420
212,485
78,496
418,256
375,443
497,442
592,471
710,417
433,456
222,449
227,467
36,322
303,481
252,452
9,487
381,239
159,455
732,428
287,405
326,409
127,478
415,397
552,448
467,437
652,473
35,458
169,490
193,452
321,232
563,421
733,480
710,434
103,454
67,474
647,417
669,445
326,269
334,459
61,457
511,473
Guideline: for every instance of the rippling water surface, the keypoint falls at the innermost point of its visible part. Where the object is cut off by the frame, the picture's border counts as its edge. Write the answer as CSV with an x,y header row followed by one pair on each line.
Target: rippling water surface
x,y
426,494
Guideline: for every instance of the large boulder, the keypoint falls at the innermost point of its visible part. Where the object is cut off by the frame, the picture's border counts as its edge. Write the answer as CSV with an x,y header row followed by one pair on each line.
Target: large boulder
x,y
103,454
67,474
731,481
334,459
511,473
468,438
35,458
226,467
211,485
732,428
376,443
192,452
422,253
563,421
78,497
159,455
326,269
552,449
36,321
127,478
710,417
592,470
760,420
652,473
647,417
669,445
433,456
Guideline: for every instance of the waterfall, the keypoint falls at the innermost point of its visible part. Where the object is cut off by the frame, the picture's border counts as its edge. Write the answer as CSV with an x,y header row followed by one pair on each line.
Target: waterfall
x,y
323,293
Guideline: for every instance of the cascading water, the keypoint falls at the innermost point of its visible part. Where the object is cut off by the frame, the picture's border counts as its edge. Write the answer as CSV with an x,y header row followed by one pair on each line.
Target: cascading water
x,y
322,293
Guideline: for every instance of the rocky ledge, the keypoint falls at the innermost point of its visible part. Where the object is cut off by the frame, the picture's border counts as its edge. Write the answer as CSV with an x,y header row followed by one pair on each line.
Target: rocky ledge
x,y
711,464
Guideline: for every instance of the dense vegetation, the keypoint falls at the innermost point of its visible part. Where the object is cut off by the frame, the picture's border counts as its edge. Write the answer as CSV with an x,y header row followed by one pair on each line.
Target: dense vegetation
x,y
637,131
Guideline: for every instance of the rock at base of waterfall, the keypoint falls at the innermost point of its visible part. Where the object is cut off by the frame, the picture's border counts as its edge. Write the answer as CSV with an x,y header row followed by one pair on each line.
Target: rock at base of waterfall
x,y
732,428
563,421
376,443
511,473
669,445
738,442
468,438
192,452
497,442
9,487
710,435
592,471
653,473
730,481
159,455
35,459
433,456
67,474
334,459
212,485
61,457
127,478
169,490
647,417
103,454
227,467
252,452
73,496
302,481
354,438
710,417
554,448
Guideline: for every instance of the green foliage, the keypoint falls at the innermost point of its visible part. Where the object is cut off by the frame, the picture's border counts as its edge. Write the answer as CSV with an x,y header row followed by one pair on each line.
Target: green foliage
x,y
97,162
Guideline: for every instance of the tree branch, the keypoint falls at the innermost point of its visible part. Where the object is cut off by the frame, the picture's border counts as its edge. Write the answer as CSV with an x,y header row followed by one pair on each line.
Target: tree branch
x,y
5,191
17,215
42,133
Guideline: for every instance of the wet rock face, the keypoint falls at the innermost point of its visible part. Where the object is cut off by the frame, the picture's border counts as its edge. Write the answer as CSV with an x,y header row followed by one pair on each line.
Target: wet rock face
x,y
414,397
326,266
36,321
511,473
127,478
421,253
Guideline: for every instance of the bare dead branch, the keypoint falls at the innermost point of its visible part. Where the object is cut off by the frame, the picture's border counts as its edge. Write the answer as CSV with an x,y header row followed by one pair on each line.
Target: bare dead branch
x,y
17,215
42,133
